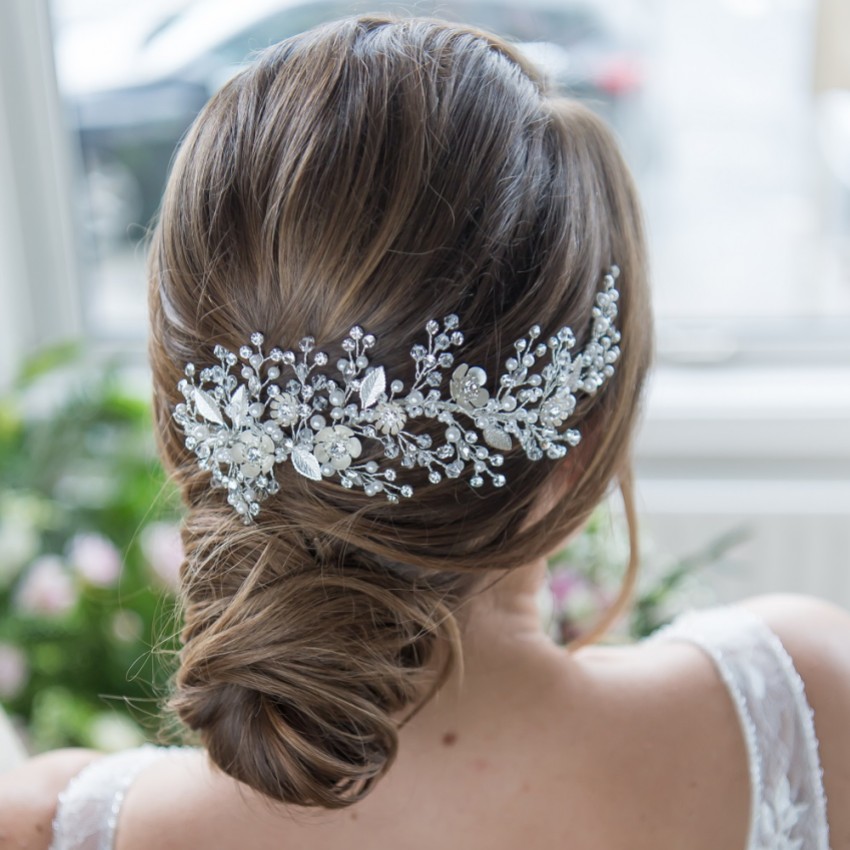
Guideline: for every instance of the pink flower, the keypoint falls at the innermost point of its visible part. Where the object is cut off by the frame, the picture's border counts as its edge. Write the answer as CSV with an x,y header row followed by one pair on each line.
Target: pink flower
x,y
163,550
95,559
14,671
562,583
46,588
574,597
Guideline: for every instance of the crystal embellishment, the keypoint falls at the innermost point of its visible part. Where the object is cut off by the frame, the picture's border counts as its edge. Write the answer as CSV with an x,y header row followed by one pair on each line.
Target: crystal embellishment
x,y
255,410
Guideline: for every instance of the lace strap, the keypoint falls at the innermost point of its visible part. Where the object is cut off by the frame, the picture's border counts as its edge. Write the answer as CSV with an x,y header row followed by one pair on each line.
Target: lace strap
x,y
788,805
88,808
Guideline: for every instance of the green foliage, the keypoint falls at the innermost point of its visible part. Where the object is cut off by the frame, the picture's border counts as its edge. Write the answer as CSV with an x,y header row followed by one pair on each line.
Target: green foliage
x,y
84,590
585,577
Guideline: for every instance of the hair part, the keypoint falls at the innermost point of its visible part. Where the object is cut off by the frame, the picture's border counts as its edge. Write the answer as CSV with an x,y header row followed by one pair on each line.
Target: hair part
x,y
377,171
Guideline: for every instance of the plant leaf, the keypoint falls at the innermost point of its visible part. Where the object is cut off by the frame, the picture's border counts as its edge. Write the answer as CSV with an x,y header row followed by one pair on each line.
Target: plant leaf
x,y
306,464
373,387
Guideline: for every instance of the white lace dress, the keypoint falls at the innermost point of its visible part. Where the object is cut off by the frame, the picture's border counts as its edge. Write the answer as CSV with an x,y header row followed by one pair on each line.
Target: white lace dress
x,y
788,809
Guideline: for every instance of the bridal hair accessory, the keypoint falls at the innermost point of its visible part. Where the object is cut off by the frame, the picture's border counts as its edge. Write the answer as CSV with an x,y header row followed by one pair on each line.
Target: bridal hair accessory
x,y
281,407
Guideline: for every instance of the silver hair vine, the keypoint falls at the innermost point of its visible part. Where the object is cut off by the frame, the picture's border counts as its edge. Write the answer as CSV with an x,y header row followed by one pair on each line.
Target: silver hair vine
x,y
281,407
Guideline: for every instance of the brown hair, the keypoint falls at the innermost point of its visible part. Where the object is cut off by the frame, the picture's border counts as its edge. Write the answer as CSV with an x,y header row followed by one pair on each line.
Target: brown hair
x,y
377,171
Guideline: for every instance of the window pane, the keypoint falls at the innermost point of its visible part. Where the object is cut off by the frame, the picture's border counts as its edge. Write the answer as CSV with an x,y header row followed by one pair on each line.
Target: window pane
x,y
738,145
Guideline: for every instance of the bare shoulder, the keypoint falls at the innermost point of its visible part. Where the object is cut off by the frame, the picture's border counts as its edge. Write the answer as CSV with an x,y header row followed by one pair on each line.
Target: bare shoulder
x,y
671,747
28,796
816,634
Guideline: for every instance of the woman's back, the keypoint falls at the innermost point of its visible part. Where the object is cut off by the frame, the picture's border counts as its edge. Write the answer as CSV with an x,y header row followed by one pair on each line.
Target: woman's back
x,y
614,747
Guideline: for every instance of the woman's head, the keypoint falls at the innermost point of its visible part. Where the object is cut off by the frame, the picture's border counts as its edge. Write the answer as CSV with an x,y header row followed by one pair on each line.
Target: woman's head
x,y
378,172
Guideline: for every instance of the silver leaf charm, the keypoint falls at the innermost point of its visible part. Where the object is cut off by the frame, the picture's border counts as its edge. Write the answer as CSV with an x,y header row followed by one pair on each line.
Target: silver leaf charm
x,y
497,438
372,387
237,410
306,464
207,406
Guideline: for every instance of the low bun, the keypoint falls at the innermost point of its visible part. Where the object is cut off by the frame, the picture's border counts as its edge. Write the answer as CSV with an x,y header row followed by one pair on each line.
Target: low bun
x,y
299,661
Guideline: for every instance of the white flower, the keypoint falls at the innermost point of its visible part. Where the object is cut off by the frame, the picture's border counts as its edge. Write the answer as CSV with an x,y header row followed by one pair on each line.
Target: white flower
x,y
95,559
18,544
127,626
467,387
113,733
390,417
337,446
284,409
253,453
163,550
47,588
14,671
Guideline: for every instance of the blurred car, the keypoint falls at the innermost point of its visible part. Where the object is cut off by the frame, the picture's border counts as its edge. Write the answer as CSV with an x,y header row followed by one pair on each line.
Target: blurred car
x,y
133,83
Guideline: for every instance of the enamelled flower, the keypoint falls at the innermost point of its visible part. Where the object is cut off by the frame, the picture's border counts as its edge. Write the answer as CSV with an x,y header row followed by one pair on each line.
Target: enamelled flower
x,y
337,446
467,387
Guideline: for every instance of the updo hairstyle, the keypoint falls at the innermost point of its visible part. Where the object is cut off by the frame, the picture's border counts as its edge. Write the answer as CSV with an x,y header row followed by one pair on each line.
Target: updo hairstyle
x,y
380,172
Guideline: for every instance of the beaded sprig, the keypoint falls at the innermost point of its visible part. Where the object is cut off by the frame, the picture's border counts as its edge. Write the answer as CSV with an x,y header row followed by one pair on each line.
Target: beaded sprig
x,y
254,411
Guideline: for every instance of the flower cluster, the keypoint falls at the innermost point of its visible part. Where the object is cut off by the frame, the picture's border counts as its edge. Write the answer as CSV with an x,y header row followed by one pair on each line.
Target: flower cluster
x,y
284,407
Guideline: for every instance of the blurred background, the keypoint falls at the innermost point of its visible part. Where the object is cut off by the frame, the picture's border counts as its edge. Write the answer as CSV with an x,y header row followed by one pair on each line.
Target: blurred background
x,y
735,118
